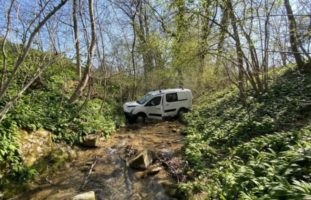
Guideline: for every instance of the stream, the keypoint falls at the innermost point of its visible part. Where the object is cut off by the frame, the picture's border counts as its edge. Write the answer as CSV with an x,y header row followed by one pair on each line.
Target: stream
x,y
104,169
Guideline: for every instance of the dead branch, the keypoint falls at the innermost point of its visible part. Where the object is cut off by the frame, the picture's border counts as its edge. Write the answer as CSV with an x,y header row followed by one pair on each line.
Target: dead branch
x,y
89,173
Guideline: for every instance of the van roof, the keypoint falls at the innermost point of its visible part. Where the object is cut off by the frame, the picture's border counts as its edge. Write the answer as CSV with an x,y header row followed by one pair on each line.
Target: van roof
x,y
164,91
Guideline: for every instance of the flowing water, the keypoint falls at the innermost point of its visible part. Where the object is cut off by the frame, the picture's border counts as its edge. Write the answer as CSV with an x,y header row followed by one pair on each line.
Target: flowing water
x,y
104,169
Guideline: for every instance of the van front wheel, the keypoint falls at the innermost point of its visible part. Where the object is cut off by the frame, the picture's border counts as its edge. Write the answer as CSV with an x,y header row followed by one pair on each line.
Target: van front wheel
x,y
140,119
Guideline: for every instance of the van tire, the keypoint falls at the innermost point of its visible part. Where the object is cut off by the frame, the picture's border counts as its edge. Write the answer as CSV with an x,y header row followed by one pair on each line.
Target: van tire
x,y
140,118
180,113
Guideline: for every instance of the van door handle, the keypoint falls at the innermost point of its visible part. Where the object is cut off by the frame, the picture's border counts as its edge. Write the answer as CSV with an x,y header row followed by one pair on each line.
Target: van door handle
x,y
167,104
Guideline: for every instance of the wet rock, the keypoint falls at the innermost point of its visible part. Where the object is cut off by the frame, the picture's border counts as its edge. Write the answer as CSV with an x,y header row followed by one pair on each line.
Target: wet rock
x,y
139,174
85,196
142,160
90,141
175,130
153,170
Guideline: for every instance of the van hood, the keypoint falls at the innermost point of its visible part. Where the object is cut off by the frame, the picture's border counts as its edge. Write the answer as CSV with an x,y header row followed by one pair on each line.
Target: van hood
x,y
131,104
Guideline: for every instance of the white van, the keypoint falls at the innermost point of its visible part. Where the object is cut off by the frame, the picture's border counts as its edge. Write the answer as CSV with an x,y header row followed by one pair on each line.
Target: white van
x,y
159,104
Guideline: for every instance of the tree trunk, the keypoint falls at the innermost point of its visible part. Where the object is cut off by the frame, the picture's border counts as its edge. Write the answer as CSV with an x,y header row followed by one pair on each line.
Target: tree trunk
x,y
4,55
180,39
76,37
86,75
133,59
203,43
293,36
239,51
143,36
223,33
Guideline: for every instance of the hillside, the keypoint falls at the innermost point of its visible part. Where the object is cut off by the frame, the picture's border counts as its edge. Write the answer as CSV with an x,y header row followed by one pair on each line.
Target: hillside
x,y
258,150
45,106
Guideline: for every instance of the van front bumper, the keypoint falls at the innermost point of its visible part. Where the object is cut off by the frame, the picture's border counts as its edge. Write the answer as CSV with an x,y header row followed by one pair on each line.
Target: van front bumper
x,y
129,117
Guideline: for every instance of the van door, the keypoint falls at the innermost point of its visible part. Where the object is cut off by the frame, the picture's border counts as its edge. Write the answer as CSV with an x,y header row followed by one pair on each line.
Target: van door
x,y
171,104
154,108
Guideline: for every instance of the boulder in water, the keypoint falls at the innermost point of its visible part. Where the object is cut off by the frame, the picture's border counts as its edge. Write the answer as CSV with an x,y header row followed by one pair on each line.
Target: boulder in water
x,y
154,170
142,160
85,196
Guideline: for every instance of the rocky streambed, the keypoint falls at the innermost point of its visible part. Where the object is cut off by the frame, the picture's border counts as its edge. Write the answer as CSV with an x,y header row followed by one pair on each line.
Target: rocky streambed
x,y
138,162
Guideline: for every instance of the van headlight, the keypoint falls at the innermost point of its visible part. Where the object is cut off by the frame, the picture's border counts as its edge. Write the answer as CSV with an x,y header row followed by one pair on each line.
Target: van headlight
x,y
128,109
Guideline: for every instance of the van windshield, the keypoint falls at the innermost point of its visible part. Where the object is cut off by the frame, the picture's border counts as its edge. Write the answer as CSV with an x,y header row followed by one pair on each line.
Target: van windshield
x,y
145,98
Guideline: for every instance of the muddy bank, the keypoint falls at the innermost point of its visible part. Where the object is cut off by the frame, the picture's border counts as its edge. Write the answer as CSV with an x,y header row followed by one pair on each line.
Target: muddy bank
x,y
104,169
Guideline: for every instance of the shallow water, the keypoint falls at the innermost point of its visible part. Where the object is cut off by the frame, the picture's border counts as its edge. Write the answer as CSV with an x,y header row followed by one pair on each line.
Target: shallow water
x,y
104,170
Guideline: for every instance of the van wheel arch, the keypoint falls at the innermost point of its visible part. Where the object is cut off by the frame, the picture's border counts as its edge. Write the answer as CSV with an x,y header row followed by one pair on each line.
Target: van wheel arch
x,y
181,111
140,117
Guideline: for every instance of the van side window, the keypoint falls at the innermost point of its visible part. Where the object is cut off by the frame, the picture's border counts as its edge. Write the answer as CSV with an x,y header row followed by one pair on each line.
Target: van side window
x,y
171,97
154,102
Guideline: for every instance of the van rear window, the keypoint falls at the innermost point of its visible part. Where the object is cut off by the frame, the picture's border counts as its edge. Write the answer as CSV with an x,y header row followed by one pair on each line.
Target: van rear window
x,y
171,97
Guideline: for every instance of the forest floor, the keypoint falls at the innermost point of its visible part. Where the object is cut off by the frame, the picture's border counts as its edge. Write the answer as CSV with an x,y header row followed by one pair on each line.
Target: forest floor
x,y
104,169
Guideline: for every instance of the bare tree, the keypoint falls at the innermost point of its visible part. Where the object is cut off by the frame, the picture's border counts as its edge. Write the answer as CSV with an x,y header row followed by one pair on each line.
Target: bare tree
x,y
27,44
76,37
181,27
86,75
239,51
4,54
294,38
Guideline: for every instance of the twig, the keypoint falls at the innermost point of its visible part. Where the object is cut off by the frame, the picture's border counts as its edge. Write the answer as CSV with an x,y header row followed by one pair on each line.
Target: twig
x,y
89,174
